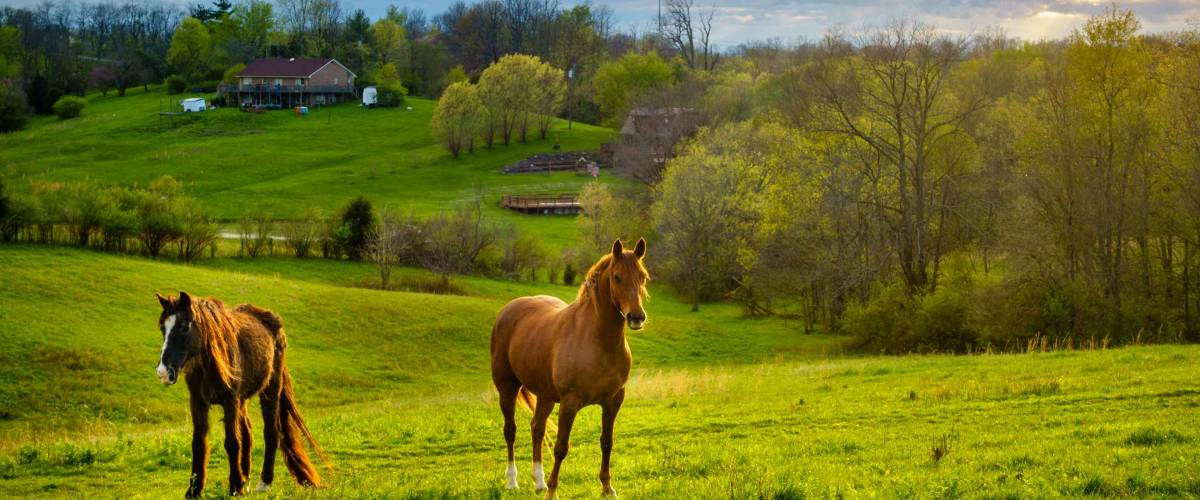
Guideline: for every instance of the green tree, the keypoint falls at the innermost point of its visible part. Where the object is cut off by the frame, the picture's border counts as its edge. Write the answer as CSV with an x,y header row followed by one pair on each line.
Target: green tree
x,y
358,223
190,54
456,119
619,82
391,92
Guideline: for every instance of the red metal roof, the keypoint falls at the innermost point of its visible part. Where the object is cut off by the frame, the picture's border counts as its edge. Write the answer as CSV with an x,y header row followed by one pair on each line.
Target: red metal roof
x,y
296,67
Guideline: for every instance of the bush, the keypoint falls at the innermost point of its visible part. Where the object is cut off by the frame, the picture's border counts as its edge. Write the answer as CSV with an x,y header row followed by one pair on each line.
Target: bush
x,y
896,323
14,109
230,75
390,95
69,106
175,84
358,221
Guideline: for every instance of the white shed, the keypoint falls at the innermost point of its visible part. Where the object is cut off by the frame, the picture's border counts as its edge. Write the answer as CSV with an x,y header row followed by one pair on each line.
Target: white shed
x,y
193,104
369,96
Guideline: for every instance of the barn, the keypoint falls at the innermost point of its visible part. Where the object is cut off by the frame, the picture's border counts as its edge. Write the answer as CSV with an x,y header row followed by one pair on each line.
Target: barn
x,y
285,83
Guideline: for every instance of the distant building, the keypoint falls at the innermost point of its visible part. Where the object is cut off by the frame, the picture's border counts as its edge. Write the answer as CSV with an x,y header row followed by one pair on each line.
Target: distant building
x,y
648,138
291,82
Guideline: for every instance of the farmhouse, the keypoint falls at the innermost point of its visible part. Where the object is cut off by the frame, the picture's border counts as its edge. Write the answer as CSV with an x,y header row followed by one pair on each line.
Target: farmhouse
x,y
647,138
291,82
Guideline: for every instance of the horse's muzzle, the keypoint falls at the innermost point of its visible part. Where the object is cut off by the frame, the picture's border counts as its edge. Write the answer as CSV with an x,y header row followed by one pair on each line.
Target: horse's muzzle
x,y
635,321
166,375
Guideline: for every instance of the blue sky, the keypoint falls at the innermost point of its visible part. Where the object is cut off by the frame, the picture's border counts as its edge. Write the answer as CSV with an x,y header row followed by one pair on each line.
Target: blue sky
x,y
789,20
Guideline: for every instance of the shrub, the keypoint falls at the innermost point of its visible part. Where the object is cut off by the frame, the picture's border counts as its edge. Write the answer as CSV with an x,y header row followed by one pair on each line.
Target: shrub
x,y
14,109
69,106
175,84
358,221
254,231
390,95
230,76
304,234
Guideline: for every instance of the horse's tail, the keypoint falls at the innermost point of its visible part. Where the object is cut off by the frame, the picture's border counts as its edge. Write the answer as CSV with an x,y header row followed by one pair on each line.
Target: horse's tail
x,y
528,401
291,430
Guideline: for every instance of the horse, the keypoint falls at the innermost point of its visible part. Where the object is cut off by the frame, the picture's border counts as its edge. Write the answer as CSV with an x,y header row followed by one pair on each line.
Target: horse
x,y
545,351
227,357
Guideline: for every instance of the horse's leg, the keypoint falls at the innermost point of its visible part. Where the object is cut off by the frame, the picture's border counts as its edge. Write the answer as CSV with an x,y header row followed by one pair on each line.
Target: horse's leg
x,y
508,406
199,447
247,438
233,432
566,417
610,408
538,426
269,400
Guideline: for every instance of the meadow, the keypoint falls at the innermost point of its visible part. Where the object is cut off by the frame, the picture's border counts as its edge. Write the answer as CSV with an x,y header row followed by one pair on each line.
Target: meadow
x,y
281,163
718,406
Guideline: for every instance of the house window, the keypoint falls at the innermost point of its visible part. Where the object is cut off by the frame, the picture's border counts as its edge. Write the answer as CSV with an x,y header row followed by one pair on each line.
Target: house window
x,y
279,81
300,81
247,81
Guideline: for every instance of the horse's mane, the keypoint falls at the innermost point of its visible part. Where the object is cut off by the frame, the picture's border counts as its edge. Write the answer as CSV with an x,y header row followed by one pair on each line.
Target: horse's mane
x,y
218,335
593,273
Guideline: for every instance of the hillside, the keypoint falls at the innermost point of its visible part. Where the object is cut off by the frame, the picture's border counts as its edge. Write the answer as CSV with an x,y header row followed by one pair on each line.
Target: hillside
x,y
284,163
718,406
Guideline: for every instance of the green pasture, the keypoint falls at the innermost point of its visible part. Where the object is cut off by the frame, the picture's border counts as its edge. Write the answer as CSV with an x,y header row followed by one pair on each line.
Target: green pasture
x,y
396,387
283,163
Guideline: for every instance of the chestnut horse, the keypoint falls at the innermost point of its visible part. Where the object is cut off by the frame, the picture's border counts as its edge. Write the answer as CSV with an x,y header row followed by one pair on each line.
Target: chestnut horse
x,y
545,351
228,357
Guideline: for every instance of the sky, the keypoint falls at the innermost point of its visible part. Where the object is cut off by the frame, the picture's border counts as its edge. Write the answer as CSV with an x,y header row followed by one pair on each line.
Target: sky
x,y
790,20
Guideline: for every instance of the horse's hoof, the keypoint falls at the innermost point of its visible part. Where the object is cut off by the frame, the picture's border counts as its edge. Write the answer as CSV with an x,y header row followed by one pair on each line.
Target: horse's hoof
x,y
610,493
262,487
551,495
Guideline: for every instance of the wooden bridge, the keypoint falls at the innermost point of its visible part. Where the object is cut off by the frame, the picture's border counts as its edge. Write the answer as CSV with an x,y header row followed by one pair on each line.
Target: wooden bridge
x,y
551,204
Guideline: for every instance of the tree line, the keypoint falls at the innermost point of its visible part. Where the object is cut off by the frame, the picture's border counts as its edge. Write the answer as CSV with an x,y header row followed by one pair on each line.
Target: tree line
x,y
924,191
60,49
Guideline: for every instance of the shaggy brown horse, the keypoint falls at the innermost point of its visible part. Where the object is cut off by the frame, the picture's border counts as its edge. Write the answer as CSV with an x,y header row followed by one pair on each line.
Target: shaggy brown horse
x,y
228,357
545,351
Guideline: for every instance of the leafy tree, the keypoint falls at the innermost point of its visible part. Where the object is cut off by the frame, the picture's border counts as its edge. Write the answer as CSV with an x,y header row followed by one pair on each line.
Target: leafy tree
x,y
514,88
456,119
175,84
230,76
13,107
358,222
103,78
390,43
619,82
390,91
191,49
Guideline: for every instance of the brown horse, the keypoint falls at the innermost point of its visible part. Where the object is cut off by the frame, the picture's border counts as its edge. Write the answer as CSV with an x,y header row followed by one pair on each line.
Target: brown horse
x,y
545,351
228,357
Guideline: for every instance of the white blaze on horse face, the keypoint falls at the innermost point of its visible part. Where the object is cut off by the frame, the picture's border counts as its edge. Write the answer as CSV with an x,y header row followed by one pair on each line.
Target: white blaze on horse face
x,y
168,325
539,477
512,476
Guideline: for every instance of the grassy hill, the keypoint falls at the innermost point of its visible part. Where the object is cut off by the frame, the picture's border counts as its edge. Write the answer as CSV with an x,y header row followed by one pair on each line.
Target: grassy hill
x,y
284,163
396,387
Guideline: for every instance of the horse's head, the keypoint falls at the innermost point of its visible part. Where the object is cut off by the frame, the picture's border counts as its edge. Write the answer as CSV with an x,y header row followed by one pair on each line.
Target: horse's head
x,y
180,340
627,282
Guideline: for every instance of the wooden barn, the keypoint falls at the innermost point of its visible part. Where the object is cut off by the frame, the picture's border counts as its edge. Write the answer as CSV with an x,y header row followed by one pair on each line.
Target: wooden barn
x,y
286,83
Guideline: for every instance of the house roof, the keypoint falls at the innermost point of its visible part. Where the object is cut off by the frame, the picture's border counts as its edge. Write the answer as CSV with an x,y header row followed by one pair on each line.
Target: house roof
x,y
293,67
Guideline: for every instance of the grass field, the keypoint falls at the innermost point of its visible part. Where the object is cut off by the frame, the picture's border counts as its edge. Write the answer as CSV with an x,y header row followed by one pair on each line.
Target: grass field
x,y
396,387
282,163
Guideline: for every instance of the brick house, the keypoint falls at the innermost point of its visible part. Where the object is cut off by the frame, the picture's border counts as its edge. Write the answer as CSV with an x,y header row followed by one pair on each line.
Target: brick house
x,y
291,82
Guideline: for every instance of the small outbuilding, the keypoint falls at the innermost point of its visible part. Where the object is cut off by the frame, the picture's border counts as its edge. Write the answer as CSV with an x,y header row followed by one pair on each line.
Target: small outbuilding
x,y
369,97
193,104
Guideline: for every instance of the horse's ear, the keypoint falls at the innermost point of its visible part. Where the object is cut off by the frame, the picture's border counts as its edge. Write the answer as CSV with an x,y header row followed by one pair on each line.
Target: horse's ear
x,y
617,248
185,301
166,303
640,249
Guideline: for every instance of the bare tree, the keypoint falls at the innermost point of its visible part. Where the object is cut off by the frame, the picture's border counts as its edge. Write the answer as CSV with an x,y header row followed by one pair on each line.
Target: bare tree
x,y
384,247
689,30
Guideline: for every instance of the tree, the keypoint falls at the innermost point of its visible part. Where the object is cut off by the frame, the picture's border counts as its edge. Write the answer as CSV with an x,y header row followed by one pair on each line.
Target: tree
x,y
897,100
357,223
384,246
390,43
619,82
456,118
689,33
13,107
190,54
390,92
103,78
549,90
514,88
